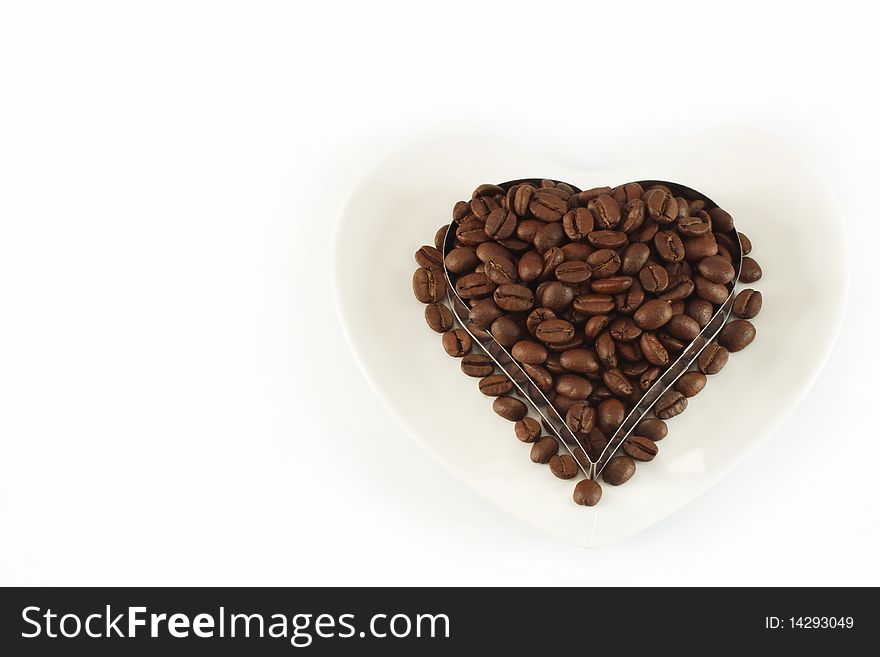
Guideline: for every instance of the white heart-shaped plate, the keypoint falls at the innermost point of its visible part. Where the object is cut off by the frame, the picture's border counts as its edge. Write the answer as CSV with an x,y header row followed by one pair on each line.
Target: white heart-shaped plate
x,y
775,198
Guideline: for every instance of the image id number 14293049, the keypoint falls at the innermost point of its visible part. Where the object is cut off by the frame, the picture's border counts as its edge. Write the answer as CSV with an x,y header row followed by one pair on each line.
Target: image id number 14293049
x,y
809,622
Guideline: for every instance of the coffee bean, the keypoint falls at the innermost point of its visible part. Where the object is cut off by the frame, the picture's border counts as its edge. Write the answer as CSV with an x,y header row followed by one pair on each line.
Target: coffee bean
x,y
751,270
530,266
573,386
679,291
584,361
580,417
633,216
428,285
618,470
555,295
549,236
654,278
483,312
747,303
440,236
477,365
500,224
506,331
746,244
671,344
737,335
474,286
514,297
653,314
471,233
495,385
646,233
509,408
660,205
527,430
542,379
544,449
653,428
669,246
527,351
604,263
594,304
587,493
438,317
573,272
610,415
691,227
578,251
691,383
537,316
697,248
457,343
648,377
595,325
641,448
563,466
654,351
683,327
577,224
700,310
605,211
716,269
500,271
617,382
552,257
612,285
522,197
554,331
670,404
634,257
624,329
630,352
607,239
547,206
430,257
623,194
712,359
461,259
629,301
721,220
709,291
606,350
493,251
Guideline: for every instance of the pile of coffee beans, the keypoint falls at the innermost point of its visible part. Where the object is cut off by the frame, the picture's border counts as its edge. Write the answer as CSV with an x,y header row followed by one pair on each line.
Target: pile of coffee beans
x,y
594,293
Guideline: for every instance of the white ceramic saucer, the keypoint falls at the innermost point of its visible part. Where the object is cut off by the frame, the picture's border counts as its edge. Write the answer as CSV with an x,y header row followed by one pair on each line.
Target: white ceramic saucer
x,y
775,198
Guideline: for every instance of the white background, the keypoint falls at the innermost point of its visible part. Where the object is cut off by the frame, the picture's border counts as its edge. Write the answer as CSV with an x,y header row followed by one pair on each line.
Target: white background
x,y
177,402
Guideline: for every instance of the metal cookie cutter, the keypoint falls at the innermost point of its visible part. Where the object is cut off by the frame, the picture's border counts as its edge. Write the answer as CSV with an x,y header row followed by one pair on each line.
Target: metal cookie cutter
x,y
533,395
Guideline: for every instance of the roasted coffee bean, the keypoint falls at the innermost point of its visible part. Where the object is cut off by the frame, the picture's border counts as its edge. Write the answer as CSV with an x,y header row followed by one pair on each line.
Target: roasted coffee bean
x,y
683,327
474,286
600,394
678,272
577,251
588,492
617,382
610,415
670,404
457,343
711,292
471,233
461,259
530,266
669,246
574,343
547,206
429,256
654,351
697,248
527,430
595,325
746,243
679,291
635,369
691,227
537,316
582,198
654,278
460,210
660,205
700,310
562,403
500,271
604,263
577,224
514,298
633,216
440,236
563,466
723,252
623,194
580,417
542,379
646,233
712,359
607,239
612,284
553,364
737,335
605,211
555,331
634,257
493,251
721,220
544,449
500,224
428,285
618,470
549,236
506,331
483,313
527,229
555,295
487,189
522,197
509,408
751,270
438,317
495,385
727,241
573,272
629,301
653,314
606,349
691,383
527,351
631,352
678,307
594,304
716,269
653,428
583,361
552,257
477,365
573,386
624,329
648,377
747,303
641,448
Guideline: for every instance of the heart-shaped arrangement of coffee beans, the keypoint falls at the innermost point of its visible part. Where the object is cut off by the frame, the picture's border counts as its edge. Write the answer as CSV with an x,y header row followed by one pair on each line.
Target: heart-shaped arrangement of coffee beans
x,y
593,307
